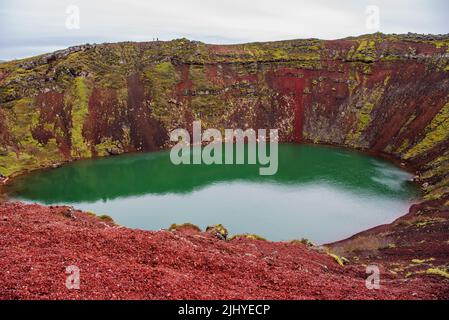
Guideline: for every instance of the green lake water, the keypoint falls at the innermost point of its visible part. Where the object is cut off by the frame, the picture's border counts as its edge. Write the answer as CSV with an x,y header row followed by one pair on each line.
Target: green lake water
x,y
320,193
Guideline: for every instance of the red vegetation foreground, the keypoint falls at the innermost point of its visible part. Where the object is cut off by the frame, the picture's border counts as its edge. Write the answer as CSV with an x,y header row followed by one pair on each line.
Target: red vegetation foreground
x,y
38,243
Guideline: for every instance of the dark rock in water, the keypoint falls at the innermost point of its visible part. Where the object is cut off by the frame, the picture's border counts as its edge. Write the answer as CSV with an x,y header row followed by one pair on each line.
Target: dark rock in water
x,y
113,151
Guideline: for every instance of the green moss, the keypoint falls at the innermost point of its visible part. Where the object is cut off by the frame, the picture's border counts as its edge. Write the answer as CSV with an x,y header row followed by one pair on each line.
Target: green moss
x,y
219,230
7,94
162,79
306,50
10,163
199,79
208,108
80,148
248,236
363,119
354,80
20,120
106,218
279,54
442,43
175,226
438,167
436,132
102,149
304,241
439,191
405,145
366,51
163,75
422,222
364,106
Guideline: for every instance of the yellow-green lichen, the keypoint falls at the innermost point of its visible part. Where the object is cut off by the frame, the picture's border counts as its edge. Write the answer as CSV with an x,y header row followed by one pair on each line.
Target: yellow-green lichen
x,y
189,225
421,261
436,132
20,121
105,146
340,260
366,51
218,230
304,241
248,236
438,272
363,119
106,218
80,148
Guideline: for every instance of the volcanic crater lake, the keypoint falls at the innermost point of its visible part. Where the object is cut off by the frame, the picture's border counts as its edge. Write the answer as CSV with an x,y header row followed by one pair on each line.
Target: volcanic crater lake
x,y
320,193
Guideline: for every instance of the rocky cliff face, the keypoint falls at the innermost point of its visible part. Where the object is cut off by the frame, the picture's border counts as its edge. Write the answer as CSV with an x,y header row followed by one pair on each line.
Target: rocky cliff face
x,y
383,93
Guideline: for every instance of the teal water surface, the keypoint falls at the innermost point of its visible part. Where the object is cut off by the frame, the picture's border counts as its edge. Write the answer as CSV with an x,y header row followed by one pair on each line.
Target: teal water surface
x,y
320,193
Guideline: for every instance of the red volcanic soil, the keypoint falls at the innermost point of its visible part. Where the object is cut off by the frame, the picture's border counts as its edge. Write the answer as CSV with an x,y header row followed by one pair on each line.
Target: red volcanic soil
x,y
37,244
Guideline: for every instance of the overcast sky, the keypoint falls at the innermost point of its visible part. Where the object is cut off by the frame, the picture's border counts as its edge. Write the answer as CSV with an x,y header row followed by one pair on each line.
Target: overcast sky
x,y
30,27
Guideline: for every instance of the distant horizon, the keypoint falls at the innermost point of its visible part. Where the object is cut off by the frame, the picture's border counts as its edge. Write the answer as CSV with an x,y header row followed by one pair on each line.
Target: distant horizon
x,y
210,43
29,28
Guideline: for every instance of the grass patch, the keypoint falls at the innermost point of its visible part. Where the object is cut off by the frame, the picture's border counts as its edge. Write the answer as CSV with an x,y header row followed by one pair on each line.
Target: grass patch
x,y
248,236
175,226
106,218
304,241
